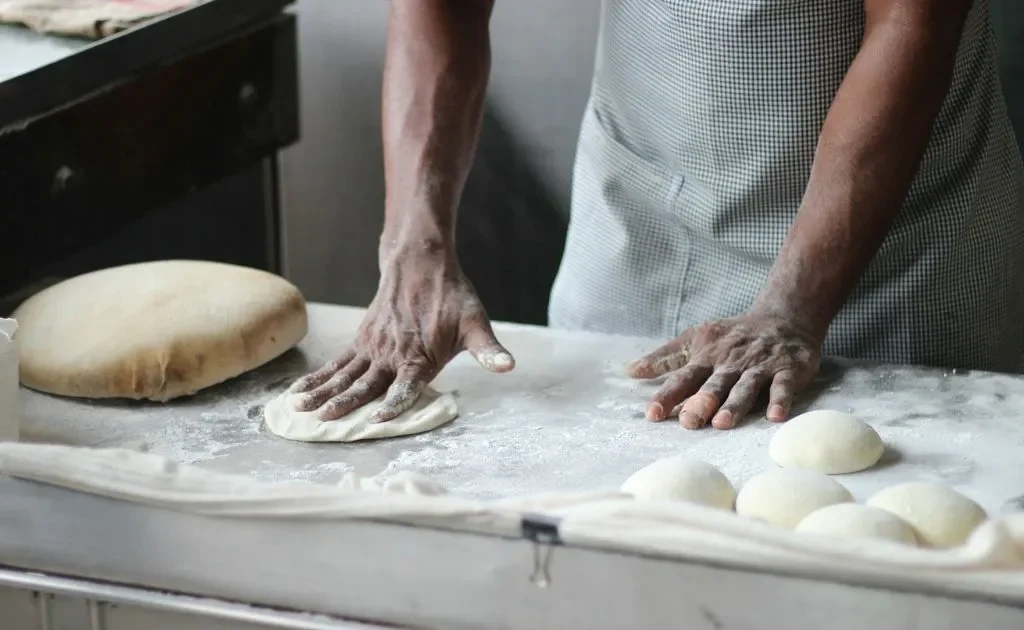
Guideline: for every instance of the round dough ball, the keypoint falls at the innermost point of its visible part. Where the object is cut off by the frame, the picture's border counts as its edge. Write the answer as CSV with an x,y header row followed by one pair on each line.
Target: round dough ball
x,y
852,520
941,517
831,442
784,497
156,330
680,479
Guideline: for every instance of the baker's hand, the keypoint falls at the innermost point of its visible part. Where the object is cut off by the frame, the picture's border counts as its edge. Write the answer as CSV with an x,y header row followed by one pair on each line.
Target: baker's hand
x,y
718,370
424,314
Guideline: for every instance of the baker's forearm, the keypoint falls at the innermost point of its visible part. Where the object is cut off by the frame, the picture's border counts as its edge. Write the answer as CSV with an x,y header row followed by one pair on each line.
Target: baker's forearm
x,y
435,77
869,150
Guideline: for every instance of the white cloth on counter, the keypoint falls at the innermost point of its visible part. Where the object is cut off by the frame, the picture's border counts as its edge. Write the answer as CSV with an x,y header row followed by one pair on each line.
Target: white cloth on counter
x,y
159,482
992,562
9,412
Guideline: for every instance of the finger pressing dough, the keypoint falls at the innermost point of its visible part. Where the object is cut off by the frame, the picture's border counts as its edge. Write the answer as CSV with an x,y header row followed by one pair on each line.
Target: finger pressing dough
x,y
941,517
831,442
678,478
681,479
784,497
852,520
431,411
156,330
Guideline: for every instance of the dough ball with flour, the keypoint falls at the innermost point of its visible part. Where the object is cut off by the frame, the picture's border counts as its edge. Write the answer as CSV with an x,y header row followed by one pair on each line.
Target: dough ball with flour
x,y
156,330
681,479
831,442
784,497
852,520
941,517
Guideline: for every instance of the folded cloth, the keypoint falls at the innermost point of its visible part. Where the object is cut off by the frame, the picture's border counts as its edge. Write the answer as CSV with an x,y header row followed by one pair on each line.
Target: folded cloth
x,y
990,563
94,19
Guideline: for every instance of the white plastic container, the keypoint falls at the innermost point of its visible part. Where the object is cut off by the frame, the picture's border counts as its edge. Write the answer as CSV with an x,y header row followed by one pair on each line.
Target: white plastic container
x,y
9,417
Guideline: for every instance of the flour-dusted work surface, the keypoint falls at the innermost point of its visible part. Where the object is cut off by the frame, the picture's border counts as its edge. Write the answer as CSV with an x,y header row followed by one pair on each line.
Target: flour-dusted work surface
x,y
565,419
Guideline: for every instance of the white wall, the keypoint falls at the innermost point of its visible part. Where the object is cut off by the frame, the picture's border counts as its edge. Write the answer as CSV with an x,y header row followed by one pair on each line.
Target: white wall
x,y
333,179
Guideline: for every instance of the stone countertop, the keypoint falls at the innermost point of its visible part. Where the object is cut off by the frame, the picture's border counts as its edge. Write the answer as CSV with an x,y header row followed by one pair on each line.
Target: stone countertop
x,y
565,419
23,50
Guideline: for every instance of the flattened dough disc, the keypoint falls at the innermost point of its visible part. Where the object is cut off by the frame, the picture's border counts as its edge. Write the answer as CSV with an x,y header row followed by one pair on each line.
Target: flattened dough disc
x,y
432,410
156,330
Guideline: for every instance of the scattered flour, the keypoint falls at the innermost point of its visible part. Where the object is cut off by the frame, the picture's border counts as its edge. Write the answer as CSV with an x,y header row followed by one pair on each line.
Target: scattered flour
x,y
567,420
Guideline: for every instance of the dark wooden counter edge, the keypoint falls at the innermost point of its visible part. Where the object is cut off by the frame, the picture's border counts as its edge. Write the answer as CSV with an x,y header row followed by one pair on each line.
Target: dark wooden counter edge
x,y
122,56
74,175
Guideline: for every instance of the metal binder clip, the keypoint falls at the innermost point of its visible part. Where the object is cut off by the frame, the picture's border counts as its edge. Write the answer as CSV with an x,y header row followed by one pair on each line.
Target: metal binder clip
x,y
543,532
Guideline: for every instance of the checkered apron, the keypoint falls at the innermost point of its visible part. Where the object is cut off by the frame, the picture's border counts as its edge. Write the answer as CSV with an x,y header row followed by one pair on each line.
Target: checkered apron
x,y
694,154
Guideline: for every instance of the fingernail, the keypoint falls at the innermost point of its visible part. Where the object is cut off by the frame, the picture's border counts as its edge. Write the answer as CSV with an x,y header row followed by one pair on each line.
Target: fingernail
x,y
723,420
503,360
655,412
329,411
496,360
776,413
691,420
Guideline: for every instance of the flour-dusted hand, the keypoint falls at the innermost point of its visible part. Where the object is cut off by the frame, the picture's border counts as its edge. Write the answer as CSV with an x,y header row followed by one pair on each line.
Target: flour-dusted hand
x,y
426,311
718,370
424,314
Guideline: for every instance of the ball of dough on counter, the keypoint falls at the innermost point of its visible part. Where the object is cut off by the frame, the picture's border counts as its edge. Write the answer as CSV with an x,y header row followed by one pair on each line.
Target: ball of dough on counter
x,y
941,517
156,330
681,479
831,442
852,520
784,497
